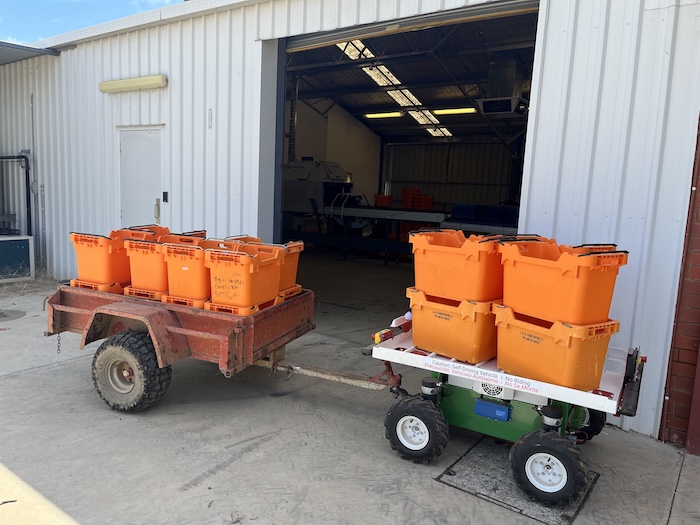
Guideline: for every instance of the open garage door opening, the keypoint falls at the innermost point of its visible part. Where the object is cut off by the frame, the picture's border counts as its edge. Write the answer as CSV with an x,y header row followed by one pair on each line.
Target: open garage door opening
x,y
393,133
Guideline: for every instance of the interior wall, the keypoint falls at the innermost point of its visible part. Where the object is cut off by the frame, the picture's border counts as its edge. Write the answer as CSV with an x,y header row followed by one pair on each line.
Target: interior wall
x,y
312,129
338,137
451,173
356,148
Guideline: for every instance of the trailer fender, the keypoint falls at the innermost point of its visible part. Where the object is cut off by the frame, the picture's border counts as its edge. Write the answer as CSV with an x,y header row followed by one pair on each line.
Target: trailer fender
x,y
117,317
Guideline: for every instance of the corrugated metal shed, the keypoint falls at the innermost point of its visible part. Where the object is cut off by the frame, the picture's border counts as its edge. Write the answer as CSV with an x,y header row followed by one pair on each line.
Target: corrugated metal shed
x,y
211,52
609,148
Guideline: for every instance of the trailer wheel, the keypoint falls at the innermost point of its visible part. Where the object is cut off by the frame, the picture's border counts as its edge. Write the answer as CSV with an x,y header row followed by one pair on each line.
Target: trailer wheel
x,y
416,429
548,467
126,374
594,423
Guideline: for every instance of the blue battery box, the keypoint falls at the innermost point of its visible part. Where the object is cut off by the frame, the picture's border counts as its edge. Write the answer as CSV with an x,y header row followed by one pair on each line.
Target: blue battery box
x,y
491,410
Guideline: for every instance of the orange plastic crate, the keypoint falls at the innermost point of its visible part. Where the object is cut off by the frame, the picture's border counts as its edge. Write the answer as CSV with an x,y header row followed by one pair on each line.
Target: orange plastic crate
x,y
463,330
148,269
290,292
184,239
143,294
109,288
243,311
128,233
288,275
188,277
563,354
243,238
585,249
155,228
247,277
196,233
450,266
182,301
101,260
383,201
556,283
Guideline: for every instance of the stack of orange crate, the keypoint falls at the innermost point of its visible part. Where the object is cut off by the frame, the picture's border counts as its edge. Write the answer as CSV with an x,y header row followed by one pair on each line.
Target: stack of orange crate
x,y
252,276
149,272
408,197
553,325
411,199
239,274
383,201
458,279
103,261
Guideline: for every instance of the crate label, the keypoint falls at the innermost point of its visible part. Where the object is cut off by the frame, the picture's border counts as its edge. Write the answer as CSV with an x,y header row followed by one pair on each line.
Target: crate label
x,y
482,375
227,287
442,315
531,338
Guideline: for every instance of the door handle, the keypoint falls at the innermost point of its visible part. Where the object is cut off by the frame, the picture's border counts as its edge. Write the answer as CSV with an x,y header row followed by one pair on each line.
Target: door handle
x,y
156,211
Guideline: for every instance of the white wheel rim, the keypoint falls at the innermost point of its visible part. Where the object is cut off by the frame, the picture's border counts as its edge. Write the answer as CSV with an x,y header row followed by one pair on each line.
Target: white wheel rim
x,y
546,472
412,433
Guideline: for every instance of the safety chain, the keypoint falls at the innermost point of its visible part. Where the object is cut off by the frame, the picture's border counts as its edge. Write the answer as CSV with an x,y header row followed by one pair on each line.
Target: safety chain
x,y
58,344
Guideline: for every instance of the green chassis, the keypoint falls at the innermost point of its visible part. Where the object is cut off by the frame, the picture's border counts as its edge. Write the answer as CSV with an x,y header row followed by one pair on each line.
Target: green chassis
x,y
458,405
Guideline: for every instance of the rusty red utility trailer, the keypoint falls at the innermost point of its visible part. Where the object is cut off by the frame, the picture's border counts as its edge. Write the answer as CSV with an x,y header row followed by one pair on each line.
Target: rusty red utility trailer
x,y
131,369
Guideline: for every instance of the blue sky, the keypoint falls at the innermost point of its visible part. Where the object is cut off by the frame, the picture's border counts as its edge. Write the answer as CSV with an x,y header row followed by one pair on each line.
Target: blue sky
x,y
26,21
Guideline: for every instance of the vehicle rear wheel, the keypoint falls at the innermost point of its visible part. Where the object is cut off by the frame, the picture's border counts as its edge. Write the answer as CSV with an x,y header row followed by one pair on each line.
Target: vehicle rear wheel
x,y
548,467
126,374
416,429
594,422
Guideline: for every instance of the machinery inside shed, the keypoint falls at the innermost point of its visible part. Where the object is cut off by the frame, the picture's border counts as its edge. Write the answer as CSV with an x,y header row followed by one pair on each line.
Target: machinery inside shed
x,y
390,133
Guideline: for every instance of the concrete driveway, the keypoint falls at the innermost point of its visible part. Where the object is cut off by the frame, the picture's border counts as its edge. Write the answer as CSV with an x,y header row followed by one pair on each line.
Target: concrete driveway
x,y
262,449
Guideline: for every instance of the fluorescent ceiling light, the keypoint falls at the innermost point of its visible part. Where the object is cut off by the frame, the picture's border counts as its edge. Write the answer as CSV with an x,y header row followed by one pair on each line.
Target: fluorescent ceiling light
x,y
439,132
454,111
390,114
134,84
381,75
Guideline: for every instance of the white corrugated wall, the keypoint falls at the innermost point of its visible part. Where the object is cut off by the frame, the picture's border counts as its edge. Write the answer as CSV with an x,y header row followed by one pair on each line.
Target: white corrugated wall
x,y
610,145
212,53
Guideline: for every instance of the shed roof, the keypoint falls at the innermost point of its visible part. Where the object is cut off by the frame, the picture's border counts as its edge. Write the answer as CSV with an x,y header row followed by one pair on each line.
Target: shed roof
x,y
10,52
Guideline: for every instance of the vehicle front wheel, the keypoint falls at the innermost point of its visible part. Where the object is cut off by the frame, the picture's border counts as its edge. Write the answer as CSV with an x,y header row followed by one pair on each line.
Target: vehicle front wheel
x,y
126,374
548,467
416,429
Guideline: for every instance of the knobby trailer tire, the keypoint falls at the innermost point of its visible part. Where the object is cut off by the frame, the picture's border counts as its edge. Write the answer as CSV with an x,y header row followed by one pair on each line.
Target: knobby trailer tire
x,y
125,372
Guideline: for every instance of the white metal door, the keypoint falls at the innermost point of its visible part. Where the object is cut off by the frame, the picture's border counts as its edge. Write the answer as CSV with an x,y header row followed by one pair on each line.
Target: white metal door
x,y
140,174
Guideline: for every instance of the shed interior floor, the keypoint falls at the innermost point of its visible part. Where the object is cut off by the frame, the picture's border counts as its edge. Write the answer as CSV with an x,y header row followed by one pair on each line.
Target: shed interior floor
x,y
356,296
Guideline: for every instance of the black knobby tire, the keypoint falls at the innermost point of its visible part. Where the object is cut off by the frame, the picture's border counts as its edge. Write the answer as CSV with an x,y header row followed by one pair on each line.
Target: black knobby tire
x,y
548,467
416,429
126,374
595,423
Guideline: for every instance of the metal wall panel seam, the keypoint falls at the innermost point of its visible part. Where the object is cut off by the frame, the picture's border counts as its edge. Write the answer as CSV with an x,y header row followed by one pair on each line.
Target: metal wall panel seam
x,y
594,51
534,118
650,313
643,207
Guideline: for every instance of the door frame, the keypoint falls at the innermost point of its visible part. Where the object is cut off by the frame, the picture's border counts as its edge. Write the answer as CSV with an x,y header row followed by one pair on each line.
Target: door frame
x,y
118,161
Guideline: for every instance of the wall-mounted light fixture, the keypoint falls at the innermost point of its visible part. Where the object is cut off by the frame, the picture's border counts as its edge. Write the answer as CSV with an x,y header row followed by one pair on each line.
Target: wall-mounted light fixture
x,y
454,111
134,84
389,114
